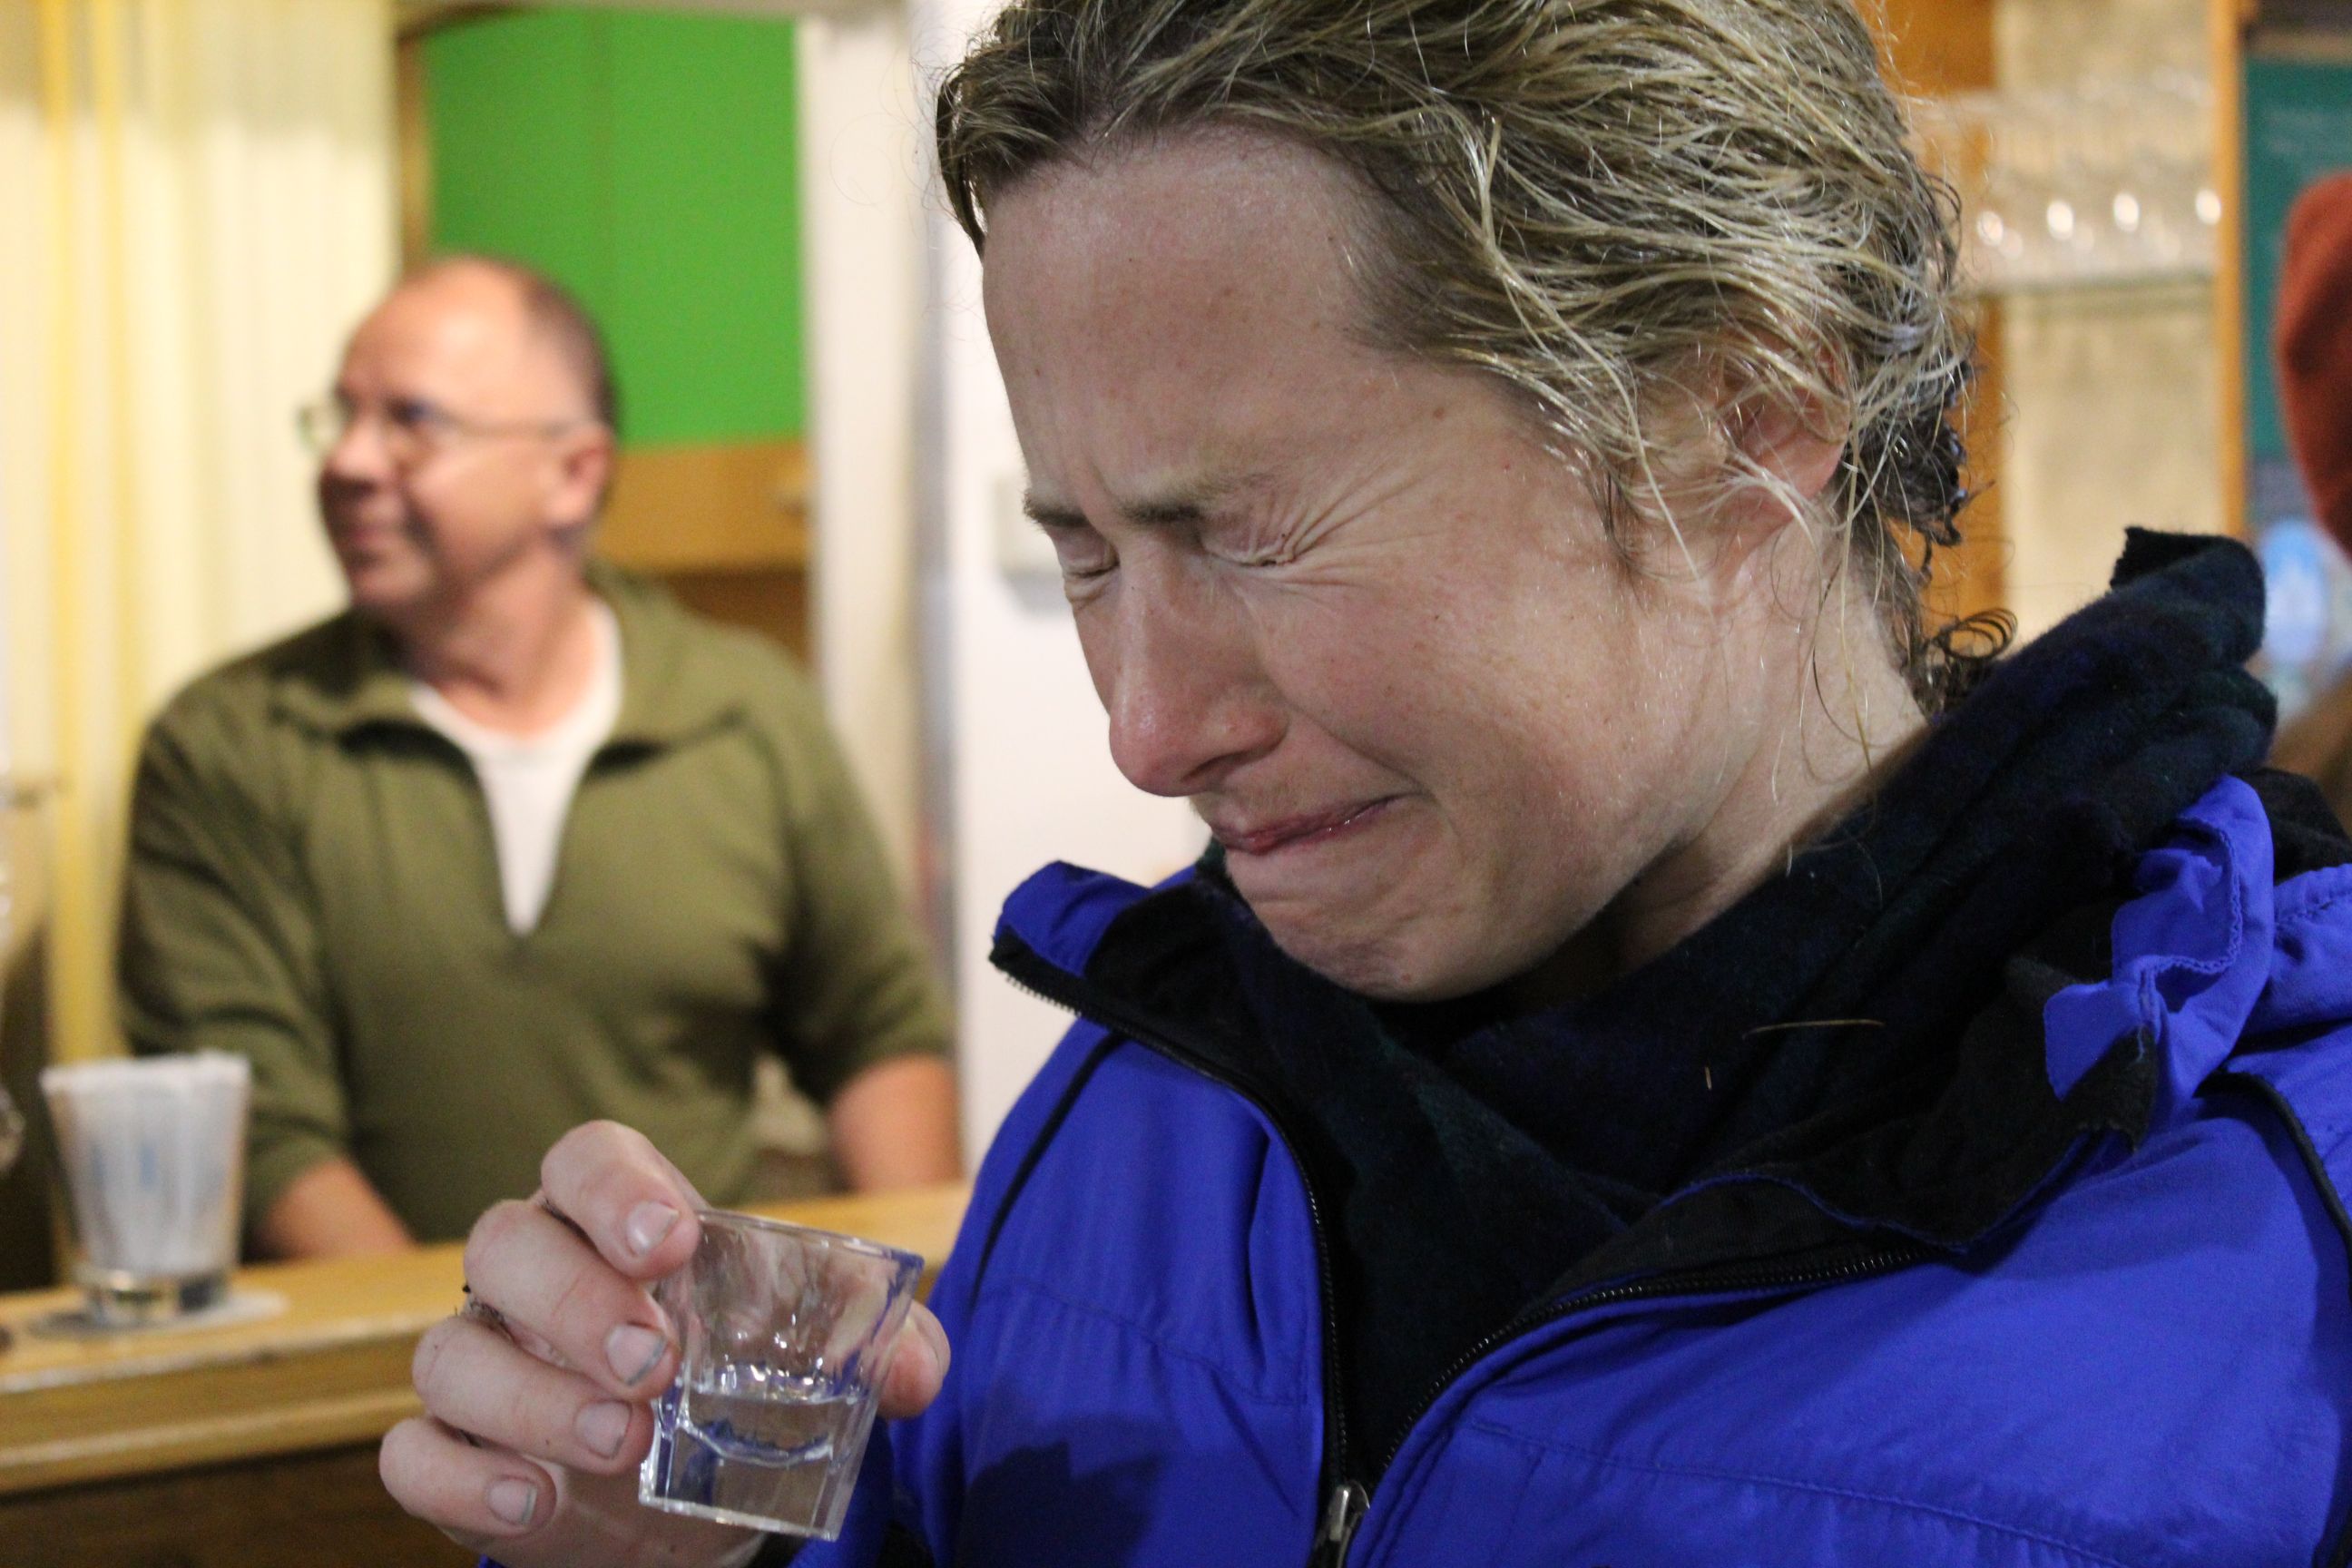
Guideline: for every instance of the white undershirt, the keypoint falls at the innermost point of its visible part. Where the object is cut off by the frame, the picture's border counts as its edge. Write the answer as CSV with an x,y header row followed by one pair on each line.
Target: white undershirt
x,y
530,779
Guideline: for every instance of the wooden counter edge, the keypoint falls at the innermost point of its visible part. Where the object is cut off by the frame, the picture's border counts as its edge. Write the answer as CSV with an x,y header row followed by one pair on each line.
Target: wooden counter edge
x,y
175,1446
332,1370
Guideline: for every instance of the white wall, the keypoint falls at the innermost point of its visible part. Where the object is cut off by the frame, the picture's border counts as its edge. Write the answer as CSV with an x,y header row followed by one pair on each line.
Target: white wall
x,y
862,237
1021,773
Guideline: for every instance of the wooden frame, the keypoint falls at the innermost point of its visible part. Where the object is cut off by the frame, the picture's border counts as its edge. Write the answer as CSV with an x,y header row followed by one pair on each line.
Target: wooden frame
x,y
2228,22
1940,49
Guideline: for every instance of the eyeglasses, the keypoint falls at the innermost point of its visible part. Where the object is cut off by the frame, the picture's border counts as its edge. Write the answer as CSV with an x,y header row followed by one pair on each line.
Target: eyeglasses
x,y
413,429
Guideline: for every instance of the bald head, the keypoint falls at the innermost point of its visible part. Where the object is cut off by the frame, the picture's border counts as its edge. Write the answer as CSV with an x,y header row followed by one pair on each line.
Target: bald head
x,y
474,446
550,312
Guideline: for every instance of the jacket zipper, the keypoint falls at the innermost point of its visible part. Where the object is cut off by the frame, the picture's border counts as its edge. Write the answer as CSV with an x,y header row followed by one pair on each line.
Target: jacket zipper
x,y
1341,1514
1346,1500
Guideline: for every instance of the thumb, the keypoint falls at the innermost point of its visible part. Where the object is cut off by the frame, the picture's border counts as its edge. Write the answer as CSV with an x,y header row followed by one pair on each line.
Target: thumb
x,y
918,1369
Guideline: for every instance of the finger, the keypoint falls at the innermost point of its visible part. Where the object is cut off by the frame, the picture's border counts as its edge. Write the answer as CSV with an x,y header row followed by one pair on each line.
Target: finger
x,y
479,1310
631,1204
477,1380
479,1496
918,1364
550,1283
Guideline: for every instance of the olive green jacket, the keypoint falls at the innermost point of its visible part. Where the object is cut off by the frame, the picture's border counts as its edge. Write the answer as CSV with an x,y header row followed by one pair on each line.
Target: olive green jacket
x,y
311,882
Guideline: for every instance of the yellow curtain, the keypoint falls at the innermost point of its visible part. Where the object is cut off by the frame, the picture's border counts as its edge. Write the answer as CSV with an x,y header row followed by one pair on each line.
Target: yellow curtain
x,y
196,203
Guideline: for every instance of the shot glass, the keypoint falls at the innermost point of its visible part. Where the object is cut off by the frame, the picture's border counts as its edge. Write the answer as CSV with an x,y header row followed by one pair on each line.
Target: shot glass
x,y
153,1154
784,1335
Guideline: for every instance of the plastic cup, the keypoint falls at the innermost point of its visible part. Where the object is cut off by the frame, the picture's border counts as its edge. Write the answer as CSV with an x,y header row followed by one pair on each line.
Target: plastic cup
x,y
785,1333
153,1153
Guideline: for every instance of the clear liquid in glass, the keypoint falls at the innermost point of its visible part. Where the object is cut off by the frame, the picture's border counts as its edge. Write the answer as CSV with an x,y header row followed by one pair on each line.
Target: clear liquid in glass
x,y
749,1445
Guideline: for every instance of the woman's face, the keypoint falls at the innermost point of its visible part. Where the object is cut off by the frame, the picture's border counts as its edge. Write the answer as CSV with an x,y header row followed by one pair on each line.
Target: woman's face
x,y
1347,603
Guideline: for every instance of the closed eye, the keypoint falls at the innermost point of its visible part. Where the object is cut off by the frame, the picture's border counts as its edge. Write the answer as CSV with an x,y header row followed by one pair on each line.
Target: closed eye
x,y
1082,552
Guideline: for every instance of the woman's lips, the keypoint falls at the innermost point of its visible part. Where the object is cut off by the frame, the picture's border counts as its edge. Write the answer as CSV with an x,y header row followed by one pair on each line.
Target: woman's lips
x,y
1292,832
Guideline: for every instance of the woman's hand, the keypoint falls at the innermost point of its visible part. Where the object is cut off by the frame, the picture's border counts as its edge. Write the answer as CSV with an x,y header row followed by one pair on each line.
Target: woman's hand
x,y
537,1397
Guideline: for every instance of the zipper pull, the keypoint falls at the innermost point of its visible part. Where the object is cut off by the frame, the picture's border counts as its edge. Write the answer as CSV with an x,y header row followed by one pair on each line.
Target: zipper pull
x,y
1341,1514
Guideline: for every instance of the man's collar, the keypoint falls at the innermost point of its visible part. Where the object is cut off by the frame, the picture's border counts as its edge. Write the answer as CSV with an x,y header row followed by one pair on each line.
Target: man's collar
x,y
348,678
667,696
355,679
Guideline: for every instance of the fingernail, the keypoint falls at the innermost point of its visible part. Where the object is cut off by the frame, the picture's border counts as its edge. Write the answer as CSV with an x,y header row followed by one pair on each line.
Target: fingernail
x,y
633,1351
513,1500
602,1426
648,1224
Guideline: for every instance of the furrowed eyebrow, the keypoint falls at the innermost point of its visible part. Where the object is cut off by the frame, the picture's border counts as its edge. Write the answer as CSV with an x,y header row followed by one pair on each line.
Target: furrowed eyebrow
x,y
1178,508
1177,511
1046,516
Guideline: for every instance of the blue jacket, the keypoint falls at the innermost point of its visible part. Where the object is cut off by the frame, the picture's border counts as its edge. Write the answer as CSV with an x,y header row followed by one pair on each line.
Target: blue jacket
x,y
2148,1362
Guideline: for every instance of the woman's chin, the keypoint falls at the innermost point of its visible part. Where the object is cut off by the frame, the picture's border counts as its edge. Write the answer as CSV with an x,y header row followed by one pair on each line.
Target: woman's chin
x,y
1383,965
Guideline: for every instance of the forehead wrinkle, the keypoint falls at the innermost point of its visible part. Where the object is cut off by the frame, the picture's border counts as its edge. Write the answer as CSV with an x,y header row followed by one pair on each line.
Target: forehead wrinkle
x,y
1197,286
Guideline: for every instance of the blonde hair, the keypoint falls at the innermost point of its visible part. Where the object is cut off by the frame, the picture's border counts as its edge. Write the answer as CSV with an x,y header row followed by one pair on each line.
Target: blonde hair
x,y
1615,207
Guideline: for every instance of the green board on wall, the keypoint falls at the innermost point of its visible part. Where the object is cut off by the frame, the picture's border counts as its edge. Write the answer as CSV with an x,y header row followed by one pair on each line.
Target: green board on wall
x,y
648,163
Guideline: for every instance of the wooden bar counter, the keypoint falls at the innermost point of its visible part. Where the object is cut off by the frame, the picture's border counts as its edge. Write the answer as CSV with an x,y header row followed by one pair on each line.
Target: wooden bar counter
x,y
252,1445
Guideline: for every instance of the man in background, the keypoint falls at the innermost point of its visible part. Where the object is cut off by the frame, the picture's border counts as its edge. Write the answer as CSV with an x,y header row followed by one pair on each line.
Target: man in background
x,y
515,840
2314,344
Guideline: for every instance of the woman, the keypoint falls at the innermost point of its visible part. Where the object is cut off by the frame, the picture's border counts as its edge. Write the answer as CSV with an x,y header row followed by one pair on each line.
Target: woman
x,y
1651,1073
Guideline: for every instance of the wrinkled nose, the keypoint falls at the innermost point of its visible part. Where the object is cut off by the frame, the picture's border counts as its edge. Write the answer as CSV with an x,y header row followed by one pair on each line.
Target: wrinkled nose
x,y
1180,681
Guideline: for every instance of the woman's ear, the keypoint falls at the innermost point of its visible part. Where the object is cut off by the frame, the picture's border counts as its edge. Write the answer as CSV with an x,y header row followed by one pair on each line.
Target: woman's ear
x,y
1787,440
1744,459
1780,452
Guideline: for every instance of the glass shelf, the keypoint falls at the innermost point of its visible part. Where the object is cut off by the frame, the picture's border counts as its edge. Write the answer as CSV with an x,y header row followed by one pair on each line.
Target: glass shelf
x,y
2107,185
